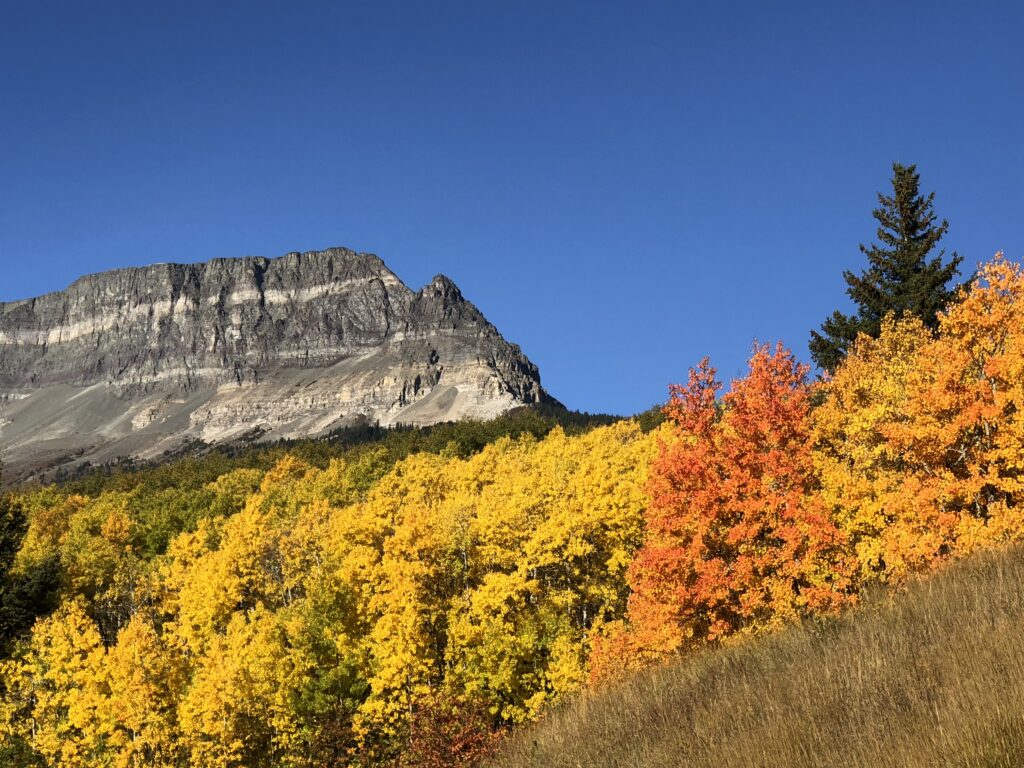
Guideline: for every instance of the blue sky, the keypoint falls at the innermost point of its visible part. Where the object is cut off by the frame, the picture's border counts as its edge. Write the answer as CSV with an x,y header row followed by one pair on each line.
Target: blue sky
x,y
622,188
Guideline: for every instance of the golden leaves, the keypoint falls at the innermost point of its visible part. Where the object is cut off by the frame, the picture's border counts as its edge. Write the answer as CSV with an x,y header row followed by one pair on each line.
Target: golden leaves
x,y
310,611
920,444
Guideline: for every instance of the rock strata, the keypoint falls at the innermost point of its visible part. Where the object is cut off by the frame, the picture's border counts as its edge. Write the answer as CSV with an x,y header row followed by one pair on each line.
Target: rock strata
x,y
134,362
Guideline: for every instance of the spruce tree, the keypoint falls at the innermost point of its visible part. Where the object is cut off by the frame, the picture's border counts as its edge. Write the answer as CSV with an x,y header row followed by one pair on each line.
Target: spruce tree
x,y
902,277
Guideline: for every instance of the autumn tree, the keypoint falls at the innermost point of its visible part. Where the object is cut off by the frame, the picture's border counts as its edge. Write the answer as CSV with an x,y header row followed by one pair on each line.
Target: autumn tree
x,y
903,276
972,409
145,679
864,473
919,440
56,694
736,538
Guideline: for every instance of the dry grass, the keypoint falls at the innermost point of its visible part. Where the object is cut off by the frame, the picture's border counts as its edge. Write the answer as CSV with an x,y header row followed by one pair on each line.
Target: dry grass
x,y
932,677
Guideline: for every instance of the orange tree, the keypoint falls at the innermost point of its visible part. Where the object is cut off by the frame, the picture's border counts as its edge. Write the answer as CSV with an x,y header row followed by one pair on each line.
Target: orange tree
x,y
736,538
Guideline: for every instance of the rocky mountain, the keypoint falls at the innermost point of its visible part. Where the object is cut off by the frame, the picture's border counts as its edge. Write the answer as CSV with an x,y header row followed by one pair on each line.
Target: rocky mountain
x,y
136,362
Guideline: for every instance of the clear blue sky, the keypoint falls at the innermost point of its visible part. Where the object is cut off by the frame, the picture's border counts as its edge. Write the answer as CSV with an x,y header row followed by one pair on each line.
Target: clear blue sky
x,y
620,187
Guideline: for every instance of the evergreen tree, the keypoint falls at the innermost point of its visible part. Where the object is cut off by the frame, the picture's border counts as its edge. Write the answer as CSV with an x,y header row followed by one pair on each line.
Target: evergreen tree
x,y
902,277
27,594
12,528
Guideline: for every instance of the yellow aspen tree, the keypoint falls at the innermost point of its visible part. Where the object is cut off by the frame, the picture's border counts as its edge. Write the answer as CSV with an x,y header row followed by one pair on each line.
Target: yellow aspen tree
x,y
61,682
862,469
919,440
146,680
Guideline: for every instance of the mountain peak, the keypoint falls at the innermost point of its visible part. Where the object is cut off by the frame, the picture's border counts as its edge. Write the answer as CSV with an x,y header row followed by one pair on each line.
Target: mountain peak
x,y
136,361
442,286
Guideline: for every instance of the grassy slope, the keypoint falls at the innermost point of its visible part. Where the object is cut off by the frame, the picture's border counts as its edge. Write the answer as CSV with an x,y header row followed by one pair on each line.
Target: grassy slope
x,y
932,677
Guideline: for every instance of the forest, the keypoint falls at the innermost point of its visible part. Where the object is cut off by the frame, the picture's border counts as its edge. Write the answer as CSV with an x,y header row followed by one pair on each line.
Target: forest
x,y
411,598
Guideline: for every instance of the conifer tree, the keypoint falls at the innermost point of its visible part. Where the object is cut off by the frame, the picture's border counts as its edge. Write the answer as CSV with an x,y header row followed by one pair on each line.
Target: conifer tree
x,y
25,594
12,528
903,277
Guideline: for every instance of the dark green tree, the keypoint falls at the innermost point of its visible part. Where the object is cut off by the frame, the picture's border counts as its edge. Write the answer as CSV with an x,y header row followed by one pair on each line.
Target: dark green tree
x,y
24,595
12,529
903,275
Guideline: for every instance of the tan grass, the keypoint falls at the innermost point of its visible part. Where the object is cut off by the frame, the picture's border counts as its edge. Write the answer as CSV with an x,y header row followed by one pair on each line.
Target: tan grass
x,y
933,676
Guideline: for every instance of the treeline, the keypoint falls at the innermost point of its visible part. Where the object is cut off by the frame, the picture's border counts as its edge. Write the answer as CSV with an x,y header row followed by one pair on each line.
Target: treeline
x,y
463,438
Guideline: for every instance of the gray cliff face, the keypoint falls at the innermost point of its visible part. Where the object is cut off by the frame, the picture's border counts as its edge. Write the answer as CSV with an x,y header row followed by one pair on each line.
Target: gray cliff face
x,y
136,361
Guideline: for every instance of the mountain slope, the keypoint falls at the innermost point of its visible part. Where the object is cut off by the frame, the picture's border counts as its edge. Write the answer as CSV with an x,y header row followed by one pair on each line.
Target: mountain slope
x,y
135,362
933,676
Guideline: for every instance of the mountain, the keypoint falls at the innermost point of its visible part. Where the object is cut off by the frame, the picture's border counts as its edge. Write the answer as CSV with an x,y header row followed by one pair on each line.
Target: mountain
x,y
140,361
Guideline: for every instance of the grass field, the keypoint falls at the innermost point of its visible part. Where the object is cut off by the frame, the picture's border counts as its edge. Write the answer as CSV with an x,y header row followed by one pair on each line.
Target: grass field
x,y
932,676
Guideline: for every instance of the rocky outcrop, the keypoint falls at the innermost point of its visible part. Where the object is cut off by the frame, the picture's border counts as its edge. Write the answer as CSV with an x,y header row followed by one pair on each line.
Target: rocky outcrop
x,y
133,362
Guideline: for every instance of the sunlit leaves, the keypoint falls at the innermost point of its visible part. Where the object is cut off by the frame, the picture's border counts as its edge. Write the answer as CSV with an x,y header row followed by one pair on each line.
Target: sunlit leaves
x,y
920,439
307,612
737,538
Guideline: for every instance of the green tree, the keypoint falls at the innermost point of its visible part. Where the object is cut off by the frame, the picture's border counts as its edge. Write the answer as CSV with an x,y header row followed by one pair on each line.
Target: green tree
x,y
12,529
903,277
26,592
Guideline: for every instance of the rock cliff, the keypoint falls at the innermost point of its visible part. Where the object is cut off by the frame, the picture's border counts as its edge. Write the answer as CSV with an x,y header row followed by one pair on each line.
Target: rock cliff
x,y
135,362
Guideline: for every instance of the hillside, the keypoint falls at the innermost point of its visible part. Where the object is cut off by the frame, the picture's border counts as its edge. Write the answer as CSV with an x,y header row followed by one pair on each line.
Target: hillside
x,y
933,676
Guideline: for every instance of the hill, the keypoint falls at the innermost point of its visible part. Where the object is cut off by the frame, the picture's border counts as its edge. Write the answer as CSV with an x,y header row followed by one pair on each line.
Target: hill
x,y
933,675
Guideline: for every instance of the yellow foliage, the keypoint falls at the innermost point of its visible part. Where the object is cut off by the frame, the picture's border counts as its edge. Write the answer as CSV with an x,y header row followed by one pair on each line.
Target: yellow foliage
x,y
145,681
57,692
862,471
921,439
485,575
309,611
499,565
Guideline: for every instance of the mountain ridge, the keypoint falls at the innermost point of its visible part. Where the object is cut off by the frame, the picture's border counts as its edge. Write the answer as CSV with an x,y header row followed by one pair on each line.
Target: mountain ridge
x,y
141,359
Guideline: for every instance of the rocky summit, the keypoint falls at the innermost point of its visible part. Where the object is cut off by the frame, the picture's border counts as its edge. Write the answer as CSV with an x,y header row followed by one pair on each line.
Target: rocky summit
x,y
138,362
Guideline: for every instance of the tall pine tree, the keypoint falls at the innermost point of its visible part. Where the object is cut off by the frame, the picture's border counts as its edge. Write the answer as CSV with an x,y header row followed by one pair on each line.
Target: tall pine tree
x,y
902,277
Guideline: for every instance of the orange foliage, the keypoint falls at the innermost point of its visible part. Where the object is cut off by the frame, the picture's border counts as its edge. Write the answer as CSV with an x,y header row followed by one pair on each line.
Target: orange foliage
x,y
736,537
921,438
